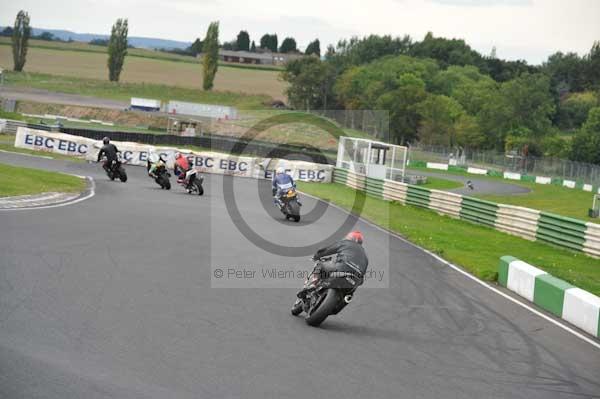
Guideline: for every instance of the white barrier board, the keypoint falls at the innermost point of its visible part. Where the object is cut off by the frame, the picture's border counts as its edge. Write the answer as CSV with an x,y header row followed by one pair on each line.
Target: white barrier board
x,y
440,166
204,161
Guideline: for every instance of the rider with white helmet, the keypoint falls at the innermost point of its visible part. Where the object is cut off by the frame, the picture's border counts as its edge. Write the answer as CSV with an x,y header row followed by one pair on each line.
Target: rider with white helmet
x,y
281,182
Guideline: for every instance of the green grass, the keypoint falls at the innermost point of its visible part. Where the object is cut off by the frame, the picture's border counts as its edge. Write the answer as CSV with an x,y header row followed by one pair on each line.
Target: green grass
x,y
124,91
441,184
11,115
20,181
475,248
4,146
564,201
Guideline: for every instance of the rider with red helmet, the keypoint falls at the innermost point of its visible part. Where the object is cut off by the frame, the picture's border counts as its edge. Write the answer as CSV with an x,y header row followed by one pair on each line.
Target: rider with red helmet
x,y
350,257
181,167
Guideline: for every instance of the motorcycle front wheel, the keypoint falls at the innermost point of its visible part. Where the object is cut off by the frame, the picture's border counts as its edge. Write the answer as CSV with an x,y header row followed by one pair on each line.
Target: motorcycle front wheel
x,y
317,314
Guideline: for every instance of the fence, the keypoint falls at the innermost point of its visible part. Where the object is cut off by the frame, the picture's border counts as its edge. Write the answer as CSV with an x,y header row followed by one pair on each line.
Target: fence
x,y
215,143
542,166
10,126
526,223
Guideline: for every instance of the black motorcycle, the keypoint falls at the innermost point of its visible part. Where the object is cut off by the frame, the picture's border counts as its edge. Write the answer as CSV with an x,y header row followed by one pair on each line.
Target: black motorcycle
x,y
288,204
326,295
161,175
115,169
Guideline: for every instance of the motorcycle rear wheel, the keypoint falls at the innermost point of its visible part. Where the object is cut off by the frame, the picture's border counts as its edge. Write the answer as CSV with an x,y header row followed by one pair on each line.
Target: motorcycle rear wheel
x,y
122,175
198,187
317,316
294,210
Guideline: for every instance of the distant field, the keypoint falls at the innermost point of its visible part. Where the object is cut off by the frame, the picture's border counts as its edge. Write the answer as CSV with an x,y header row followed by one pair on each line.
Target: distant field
x,y
135,52
167,71
102,88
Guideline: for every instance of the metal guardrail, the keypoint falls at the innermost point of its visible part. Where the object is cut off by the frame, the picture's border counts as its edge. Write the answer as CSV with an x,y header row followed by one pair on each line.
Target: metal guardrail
x,y
11,126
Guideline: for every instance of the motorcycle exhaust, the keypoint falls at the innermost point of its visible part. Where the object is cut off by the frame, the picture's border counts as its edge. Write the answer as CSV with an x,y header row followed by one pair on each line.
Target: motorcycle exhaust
x,y
348,299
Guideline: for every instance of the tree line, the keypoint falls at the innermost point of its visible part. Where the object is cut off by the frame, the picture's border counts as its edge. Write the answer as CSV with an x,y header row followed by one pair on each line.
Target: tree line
x,y
442,92
47,36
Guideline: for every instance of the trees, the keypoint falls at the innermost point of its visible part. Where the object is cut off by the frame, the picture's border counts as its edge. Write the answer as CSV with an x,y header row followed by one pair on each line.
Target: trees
x,y
211,56
20,40
586,143
402,105
47,36
529,103
565,72
230,45
99,42
253,47
446,51
313,47
196,47
7,32
440,115
243,41
269,42
361,51
117,49
592,67
288,45
311,83
574,109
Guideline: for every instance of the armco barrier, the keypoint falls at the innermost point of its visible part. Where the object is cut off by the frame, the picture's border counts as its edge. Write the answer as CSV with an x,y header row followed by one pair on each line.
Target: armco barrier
x,y
516,220
418,196
374,187
570,303
560,230
591,245
523,222
479,211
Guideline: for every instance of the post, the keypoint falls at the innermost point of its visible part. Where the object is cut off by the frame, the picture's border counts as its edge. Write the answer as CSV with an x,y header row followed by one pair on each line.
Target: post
x,y
368,159
404,164
340,154
393,160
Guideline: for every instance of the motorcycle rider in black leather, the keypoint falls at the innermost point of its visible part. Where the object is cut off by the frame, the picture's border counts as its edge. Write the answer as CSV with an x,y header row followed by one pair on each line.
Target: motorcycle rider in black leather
x,y
110,150
350,257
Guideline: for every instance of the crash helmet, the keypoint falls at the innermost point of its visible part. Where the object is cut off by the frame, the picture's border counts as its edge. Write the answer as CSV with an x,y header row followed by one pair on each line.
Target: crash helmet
x,y
355,236
105,140
280,170
178,155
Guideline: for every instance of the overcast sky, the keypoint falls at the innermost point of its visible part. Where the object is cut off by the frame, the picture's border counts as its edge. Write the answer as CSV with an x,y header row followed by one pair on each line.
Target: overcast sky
x,y
520,29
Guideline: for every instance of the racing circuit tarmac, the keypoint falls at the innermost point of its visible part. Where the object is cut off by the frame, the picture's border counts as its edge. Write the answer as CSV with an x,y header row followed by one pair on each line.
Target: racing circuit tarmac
x,y
111,298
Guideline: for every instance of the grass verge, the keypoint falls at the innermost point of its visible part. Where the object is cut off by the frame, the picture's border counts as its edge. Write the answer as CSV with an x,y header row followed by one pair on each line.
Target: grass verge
x,y
20,181
12,148
475,248
435,183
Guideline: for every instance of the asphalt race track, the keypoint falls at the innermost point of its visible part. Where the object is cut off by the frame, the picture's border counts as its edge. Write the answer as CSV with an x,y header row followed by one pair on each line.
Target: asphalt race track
x,y
111,298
